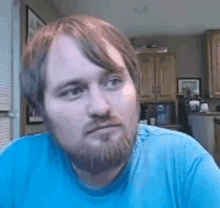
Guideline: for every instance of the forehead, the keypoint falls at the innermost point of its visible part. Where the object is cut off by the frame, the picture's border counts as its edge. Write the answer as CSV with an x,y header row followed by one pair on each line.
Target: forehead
x,y
62,51
66,61
65,47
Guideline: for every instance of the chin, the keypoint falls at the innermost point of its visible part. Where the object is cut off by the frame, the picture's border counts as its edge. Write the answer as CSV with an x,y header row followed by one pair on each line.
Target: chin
x,y
99,160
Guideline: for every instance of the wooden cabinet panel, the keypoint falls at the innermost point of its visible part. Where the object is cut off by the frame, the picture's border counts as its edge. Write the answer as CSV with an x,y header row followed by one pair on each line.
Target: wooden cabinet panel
x,y
215,66
217,140
165,78
148,77
158,77
211,63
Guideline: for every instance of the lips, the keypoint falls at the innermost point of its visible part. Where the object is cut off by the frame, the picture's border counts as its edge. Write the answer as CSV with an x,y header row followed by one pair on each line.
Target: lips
x,y
103,127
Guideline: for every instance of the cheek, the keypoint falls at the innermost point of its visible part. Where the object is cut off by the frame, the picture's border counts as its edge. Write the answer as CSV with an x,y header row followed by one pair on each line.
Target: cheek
x,y
126,103
127,97
62,119
63,113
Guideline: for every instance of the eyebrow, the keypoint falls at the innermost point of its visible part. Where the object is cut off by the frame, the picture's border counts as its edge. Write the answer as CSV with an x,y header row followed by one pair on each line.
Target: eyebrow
x,y
65,84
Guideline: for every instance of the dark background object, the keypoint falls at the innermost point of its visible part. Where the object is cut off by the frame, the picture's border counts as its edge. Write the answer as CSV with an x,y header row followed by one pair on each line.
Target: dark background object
x,y
32,118
165,112
183,115
218,108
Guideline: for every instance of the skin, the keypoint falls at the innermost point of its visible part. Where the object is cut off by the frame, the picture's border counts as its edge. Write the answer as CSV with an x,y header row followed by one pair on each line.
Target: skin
x,y
97,99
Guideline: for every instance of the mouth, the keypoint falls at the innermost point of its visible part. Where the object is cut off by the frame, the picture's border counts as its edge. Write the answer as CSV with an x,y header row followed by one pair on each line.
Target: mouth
x,y
90,132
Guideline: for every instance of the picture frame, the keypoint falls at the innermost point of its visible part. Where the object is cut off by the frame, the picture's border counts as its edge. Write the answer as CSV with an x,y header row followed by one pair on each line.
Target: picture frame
x,y
33,23
193,83
31,117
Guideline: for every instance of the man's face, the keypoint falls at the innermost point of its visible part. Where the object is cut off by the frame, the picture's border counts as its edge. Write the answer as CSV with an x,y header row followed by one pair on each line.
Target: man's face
x,y
93,98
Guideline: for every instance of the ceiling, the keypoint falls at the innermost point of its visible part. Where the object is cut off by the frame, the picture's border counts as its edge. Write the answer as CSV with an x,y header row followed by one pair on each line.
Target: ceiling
x,y
152,17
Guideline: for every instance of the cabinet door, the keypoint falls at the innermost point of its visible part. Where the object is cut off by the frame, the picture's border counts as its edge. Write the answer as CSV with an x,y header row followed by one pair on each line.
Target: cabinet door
x,y
165,78
148,77
214,70
217,140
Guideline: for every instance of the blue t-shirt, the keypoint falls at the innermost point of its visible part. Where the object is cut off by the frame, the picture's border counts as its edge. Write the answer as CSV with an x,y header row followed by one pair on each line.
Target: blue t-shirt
x,y
167,169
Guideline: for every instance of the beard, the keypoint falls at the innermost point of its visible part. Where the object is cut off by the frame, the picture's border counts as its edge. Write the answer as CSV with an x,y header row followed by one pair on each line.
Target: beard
x,y
109,156
96,160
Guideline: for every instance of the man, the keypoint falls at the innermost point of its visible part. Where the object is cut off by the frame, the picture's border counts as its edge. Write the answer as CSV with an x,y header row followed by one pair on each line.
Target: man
x,y
82,76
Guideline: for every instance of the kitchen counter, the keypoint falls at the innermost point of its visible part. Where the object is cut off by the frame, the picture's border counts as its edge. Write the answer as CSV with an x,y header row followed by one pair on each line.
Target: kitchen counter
x,y
205,113
203,129
176,127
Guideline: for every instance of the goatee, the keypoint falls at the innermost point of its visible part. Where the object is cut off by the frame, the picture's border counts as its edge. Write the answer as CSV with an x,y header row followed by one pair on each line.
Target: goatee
x,y
97,161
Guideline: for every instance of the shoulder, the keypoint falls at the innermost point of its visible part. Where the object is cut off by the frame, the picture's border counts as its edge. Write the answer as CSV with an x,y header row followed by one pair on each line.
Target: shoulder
x,y
25,145
168,140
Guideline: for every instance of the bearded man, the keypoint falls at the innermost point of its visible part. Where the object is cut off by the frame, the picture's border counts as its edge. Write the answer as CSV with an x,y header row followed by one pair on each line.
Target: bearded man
x,y
82,76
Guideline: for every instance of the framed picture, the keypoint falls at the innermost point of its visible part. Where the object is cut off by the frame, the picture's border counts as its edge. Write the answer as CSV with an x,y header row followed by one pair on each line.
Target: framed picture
x,y
33,23
194,84
32,117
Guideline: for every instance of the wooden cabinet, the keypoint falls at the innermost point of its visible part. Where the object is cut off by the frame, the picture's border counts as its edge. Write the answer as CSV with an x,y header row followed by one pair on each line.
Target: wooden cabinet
x,y
217,140
165,78
211,52
158,77
148,77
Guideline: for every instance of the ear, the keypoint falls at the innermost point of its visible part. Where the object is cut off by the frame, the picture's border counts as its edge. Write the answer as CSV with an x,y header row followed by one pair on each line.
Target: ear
x,y
138,105
138,98
42,112
139,109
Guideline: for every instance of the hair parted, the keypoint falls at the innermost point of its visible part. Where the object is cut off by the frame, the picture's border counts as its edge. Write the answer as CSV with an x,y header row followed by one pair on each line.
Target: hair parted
x,y
90,34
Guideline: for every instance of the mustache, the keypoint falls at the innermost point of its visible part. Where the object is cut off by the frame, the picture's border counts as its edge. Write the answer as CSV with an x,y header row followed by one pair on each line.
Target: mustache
x,y
94,126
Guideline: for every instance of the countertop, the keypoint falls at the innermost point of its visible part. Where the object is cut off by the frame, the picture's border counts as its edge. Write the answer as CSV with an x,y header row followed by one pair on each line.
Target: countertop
x,y
205,113
177,127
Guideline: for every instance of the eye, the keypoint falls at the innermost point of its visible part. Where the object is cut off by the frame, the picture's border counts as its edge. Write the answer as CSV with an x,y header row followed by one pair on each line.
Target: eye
x,y
114,83
72,92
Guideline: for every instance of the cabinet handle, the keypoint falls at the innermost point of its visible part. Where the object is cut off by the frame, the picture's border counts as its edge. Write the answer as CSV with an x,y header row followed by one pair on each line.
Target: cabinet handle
x,y
158,89
153,89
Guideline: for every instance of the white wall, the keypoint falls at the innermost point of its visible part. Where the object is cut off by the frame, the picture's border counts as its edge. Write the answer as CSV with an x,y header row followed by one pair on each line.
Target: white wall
x,y
182,17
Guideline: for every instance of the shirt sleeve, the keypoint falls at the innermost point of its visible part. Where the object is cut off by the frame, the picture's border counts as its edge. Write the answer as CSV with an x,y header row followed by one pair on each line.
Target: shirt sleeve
x,y
202,185
6,189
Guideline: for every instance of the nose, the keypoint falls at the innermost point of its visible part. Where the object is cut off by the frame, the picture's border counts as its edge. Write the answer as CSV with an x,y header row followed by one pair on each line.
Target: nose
x,y
99,105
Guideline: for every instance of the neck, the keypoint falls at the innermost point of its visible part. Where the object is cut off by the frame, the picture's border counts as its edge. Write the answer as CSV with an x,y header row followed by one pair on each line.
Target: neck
x,y
98,181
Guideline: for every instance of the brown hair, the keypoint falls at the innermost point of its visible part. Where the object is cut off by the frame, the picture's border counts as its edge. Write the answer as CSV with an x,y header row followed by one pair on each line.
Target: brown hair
x,y
88,31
